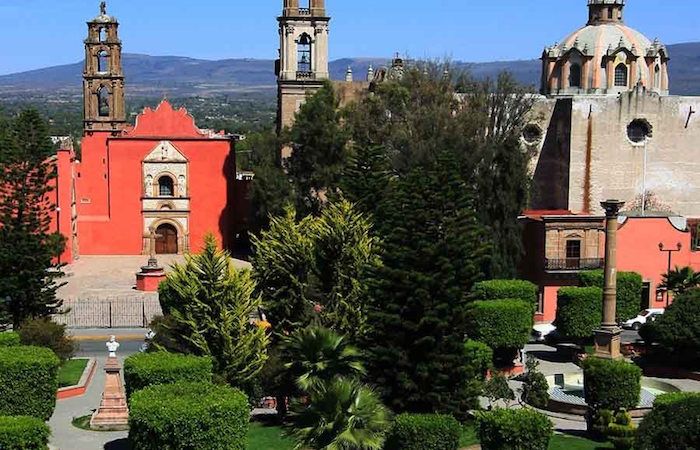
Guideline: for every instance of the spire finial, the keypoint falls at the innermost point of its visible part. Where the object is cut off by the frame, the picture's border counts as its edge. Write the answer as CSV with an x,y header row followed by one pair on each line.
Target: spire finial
x,y
103,8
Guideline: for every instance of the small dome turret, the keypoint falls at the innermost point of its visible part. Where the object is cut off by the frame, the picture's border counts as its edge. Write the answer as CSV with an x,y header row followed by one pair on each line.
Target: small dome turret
x,y
604,57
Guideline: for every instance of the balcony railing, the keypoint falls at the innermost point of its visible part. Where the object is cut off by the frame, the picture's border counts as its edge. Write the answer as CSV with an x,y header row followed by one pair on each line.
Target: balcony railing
x,y
305,75
574,264
304,11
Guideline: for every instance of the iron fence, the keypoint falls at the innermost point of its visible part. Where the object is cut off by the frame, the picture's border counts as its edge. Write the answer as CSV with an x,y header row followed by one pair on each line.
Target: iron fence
x,y
574,264
110,312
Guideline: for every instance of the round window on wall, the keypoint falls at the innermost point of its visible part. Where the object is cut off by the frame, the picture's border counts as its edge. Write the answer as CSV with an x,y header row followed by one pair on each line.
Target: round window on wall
x,y
638,131
532,134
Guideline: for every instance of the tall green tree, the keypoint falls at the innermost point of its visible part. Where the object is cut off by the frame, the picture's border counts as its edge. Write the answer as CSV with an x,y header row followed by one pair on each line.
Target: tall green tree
x,y
434,251
319,149
211,306
426,113
680,280
28,248
366,177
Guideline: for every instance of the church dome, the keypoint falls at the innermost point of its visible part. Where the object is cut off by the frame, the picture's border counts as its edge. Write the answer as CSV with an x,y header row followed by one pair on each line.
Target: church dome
x,y
604,57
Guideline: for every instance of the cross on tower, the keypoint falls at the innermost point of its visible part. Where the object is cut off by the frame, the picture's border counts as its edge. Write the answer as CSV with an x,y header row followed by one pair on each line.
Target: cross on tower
x,y
103,8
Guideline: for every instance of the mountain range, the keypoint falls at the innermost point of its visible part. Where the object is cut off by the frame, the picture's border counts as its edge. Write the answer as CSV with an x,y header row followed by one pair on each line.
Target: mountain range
x,y
182,76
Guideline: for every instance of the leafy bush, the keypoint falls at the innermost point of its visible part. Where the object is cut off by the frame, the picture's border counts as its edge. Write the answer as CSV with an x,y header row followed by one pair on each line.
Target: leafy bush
x,y
678,329
513,429
145,369
611,385
579,311
343,414
44,332
479,359
502,324
674,423
497,388
505,289
621,431
629,290
424,432
28,381
188,416
536,390
23,433
9,339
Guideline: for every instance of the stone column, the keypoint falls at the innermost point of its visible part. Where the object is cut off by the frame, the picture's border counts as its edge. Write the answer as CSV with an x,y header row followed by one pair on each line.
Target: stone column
x,y
113,413
607,339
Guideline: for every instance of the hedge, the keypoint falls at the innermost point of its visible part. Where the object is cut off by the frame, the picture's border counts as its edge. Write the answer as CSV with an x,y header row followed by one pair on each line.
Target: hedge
x,y
145,369
188,415
9,339
424,432
610,384
579,311
513,429
673,423
478,359
629,291
505,289
501,324
28,381
23,433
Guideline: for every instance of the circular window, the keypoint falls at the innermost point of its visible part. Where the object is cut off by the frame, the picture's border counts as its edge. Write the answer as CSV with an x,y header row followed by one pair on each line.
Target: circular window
x,y
532,134
638,131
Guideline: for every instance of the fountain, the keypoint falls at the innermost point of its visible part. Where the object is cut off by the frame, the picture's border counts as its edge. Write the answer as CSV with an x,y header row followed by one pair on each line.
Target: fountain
x,y
566,394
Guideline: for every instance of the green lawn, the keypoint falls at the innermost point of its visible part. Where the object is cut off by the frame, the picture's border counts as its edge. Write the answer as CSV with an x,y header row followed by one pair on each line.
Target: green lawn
x,y
70,372
262,437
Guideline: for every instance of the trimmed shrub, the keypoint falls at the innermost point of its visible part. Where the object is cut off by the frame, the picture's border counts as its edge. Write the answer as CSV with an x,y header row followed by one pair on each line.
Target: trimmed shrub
x,y
9,339
674,423
188,416
611,385
424,432
479,359
629,290
28,381
44,332
505,289
513,429
145,369
621,431
536,390
502,324
678,329
579,311
23,433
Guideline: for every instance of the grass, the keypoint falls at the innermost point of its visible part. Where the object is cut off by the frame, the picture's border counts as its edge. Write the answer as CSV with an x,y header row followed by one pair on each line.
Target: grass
x,y
70,372
262,437
558,442
468,437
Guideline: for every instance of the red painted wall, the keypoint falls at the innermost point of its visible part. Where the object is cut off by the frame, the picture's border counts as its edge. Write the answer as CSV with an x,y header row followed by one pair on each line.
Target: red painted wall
x,y
109,182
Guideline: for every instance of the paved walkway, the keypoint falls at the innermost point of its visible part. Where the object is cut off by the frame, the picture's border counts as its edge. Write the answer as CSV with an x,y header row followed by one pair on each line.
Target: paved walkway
x,y
64,436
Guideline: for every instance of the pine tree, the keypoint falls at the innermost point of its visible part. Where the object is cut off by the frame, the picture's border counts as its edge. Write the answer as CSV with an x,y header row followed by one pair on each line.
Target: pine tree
x,y
28,249
210,305
434,250
319,149
366,177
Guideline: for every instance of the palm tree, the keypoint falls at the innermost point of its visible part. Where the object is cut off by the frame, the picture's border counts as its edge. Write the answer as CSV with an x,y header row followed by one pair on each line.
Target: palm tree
x,y
680,280
341,415
320,355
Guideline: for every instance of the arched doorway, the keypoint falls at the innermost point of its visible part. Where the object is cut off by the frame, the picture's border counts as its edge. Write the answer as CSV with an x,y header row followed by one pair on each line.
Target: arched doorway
x,y
166,242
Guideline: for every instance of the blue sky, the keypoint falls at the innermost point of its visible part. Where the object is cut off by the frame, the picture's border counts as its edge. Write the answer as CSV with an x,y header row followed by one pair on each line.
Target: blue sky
x,y
40,33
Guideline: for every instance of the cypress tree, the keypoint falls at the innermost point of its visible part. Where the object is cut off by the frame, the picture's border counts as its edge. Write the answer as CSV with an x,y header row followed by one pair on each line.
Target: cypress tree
x,y
366,177
434,251
28,249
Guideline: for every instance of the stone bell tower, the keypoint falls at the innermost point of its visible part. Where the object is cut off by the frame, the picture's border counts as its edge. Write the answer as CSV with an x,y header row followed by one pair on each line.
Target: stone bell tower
x,y
103,78
303,56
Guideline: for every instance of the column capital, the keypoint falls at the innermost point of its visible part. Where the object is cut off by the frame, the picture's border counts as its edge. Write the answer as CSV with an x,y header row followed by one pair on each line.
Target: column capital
x,y
612,208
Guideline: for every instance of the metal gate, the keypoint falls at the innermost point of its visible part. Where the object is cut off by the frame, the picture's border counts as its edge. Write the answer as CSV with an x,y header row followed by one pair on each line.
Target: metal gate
x,y
109,312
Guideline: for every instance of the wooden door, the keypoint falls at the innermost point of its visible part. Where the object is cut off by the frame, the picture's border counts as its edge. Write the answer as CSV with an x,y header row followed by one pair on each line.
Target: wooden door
x,y
166,242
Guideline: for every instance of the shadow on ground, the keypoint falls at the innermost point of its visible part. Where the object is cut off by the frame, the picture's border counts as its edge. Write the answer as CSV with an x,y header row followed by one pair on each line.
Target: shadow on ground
x,y
118,444
555,357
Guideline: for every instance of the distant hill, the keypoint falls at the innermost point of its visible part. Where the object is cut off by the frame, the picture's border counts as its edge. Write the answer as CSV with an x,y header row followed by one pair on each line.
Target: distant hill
x,y
182,76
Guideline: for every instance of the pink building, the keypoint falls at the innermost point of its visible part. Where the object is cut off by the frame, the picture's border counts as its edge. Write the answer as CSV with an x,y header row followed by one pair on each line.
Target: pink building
x,y
560,244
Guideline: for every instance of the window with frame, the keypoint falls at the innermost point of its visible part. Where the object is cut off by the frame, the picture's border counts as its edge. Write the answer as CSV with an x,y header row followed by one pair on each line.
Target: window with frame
x,y
694,227
166,186
573,249
621,75
103,102
575,76
103,62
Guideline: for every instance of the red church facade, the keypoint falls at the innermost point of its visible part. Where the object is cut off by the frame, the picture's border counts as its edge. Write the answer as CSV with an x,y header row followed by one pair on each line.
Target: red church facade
x,y
163,173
